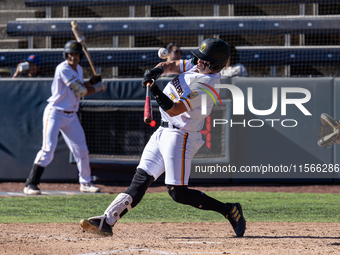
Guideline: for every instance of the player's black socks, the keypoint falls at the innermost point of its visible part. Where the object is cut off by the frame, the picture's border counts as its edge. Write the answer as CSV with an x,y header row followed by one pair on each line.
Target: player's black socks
x,y
35,175
197,199
226,209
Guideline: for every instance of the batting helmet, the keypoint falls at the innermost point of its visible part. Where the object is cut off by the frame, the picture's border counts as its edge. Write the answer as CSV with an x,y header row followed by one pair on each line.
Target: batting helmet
x,y
73,46
215,51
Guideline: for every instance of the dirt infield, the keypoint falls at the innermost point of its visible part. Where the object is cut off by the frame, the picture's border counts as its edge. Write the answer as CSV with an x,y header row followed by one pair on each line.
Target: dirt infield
x,y
174,238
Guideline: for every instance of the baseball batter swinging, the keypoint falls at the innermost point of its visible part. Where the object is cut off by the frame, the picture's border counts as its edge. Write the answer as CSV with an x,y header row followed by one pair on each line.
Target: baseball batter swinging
x,y
173,145
61,115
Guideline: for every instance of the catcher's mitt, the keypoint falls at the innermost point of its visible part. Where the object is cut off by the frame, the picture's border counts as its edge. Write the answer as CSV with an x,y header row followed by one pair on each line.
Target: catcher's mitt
x,y
329,131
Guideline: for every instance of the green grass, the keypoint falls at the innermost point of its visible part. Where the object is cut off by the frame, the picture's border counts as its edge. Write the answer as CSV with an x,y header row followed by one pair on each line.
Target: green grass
x,y
159,207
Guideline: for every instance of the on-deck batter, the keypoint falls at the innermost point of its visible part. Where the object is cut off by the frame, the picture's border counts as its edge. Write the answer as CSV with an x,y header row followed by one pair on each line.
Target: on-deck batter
x,y
173,145
61,115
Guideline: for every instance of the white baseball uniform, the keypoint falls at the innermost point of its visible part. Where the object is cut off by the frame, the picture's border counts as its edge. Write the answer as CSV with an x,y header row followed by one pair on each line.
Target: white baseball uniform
x,y
171,149
61,115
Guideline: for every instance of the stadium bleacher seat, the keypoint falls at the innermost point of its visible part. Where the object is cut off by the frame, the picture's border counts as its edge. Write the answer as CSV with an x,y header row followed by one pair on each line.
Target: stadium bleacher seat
x,y
293,55
105,57
128,34
249,56
43,3
176,26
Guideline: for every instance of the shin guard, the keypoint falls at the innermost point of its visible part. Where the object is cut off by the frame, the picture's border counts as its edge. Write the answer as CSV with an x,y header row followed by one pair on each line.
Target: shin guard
x,y
121,203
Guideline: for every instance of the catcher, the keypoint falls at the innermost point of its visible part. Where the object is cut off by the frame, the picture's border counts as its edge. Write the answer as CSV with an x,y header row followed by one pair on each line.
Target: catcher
x,y
329,131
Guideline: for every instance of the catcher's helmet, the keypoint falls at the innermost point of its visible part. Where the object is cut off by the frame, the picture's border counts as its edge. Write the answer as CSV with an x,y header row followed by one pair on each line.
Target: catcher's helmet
x,y
73,46
215,51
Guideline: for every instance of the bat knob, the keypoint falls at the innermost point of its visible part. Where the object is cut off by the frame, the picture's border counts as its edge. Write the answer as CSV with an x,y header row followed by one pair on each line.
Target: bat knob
x,y
147,120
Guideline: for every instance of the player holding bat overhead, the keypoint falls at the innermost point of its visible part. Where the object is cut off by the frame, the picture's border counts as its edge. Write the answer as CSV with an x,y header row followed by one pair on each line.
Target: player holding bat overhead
x,y
173,145
61,115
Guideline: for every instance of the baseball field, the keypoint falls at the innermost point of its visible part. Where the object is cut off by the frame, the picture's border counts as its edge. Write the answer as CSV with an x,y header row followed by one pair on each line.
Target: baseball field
x,y
280,220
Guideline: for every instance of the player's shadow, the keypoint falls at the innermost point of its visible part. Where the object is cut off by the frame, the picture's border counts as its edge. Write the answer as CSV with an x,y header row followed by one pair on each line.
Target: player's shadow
x,y
6,150
194,237
255,237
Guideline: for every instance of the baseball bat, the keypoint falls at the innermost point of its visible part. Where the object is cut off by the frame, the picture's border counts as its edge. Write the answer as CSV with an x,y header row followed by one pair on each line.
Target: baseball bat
x,y
148,107
79,35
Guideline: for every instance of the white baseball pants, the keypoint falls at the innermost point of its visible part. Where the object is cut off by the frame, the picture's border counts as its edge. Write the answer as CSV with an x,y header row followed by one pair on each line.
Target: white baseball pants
x,y
171,150
68,124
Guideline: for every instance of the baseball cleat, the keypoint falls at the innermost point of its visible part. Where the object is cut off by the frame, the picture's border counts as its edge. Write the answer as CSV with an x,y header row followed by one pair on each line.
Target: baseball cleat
x,y
95,226
89,187
32,189
236,219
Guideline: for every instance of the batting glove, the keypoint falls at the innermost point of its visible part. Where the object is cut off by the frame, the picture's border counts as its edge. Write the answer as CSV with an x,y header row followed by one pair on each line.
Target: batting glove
x,y
151,75
95,79
100,86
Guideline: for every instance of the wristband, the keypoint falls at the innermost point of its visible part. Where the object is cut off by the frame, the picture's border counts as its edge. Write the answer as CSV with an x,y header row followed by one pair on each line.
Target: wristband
x,y
163,101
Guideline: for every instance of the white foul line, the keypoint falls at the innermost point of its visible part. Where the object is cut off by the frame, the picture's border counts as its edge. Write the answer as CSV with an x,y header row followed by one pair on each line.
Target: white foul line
x,y
158,252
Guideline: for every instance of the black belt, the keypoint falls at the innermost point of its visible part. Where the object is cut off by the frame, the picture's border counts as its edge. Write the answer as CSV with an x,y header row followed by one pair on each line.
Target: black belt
x,y
166,124
68,112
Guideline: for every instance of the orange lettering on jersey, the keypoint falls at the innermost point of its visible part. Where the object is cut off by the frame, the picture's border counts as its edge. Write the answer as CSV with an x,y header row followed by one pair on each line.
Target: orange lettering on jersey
x,y
177,86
